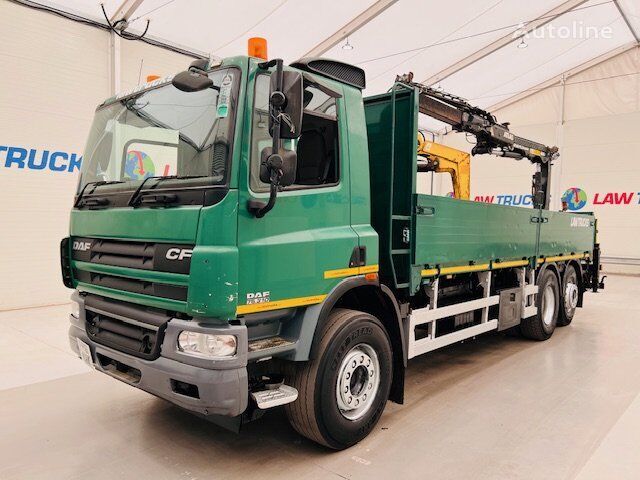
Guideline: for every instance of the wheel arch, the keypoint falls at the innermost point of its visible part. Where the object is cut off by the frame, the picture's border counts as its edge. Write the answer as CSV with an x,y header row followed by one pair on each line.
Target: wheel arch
x,y
554,268
376,299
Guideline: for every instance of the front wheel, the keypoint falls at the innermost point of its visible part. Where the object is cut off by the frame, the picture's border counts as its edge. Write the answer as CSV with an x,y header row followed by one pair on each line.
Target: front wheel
x,y
343,391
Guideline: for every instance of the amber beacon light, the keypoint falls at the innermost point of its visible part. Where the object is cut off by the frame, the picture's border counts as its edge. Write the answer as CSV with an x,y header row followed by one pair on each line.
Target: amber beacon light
x,y
258,47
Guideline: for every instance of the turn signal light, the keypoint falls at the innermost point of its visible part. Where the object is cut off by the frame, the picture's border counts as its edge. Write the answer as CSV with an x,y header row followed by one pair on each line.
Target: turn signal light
x,y
371,277
258,47
151,78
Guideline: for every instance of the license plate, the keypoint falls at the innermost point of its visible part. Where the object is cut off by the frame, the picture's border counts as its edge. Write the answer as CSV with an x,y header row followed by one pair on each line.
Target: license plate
x,y
85,352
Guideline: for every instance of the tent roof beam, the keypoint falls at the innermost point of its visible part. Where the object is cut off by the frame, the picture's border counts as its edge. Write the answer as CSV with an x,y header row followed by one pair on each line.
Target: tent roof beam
x,y
556,80
478,55
355,24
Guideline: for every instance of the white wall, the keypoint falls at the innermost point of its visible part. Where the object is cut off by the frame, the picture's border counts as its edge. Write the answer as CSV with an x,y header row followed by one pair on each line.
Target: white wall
x,y
55,71
599,144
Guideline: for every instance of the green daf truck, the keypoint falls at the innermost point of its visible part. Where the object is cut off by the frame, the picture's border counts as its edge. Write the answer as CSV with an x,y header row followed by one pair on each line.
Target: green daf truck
x,y
247,235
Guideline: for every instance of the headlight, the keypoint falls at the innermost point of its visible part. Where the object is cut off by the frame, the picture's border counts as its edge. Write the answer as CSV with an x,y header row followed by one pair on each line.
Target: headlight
x,y
206,345
75,309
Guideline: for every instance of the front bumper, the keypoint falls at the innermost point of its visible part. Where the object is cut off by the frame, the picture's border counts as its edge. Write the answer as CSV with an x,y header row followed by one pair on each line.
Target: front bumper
x,y
221,386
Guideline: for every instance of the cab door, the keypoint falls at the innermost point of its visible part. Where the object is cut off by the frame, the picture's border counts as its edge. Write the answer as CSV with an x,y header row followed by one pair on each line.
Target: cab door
x,y
298,251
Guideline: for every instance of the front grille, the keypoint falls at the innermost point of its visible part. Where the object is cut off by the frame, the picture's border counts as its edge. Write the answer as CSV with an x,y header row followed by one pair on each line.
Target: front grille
x,y
161,257
123,254
125,327
151,256
133,285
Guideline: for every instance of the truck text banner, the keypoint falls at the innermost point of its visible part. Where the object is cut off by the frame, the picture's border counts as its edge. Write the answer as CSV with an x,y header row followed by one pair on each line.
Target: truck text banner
x,y
21,157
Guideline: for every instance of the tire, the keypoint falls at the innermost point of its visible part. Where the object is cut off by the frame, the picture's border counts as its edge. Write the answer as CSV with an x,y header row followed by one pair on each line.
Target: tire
x,y
321,412
569,296
542,325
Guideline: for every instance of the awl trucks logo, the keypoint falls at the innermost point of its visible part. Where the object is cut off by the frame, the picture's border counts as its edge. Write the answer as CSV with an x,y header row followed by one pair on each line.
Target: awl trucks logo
x,y
19,157
516,200
576,198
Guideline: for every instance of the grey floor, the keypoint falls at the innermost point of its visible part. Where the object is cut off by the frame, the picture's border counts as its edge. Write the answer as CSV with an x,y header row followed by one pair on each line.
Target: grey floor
x,y
496,407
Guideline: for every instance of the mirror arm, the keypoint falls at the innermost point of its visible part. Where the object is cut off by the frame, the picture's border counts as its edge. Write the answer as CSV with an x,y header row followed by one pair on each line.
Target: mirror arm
x,y
274,162
258,207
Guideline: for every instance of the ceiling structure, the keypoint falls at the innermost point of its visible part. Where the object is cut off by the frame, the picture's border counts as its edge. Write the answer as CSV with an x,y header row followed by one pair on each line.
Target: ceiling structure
x,y
488,51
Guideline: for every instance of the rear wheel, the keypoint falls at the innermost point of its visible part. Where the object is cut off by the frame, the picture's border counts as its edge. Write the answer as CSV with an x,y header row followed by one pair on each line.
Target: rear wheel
x,y
343,391
542,325
570,295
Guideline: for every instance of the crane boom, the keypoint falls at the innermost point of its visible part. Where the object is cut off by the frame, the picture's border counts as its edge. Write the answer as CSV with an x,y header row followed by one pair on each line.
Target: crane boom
x,y
491,137
435,157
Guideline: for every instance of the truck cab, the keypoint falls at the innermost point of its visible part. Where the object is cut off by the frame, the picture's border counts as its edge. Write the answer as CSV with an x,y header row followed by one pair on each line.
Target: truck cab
x,y
229,279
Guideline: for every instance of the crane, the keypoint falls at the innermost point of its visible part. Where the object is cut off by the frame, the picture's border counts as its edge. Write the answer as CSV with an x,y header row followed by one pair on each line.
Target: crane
x,y
435,157
492,137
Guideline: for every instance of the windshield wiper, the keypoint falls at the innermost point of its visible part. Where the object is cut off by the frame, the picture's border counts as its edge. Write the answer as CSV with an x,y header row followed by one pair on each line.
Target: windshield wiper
x,y
134,199
95,185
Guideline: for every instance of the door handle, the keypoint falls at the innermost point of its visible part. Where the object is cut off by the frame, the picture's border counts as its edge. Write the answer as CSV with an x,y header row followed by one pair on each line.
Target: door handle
x,y
421,210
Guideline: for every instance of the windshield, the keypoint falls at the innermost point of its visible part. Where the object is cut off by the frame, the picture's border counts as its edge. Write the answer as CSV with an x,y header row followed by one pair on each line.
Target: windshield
x,y
163,132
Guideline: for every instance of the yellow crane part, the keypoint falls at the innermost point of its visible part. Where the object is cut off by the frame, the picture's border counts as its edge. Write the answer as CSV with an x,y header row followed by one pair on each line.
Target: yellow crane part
x,y
442,159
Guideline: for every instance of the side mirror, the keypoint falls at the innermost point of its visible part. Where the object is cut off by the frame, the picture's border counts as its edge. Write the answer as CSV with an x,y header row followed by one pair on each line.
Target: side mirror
x,y
286,162
278,166
192,81
290,101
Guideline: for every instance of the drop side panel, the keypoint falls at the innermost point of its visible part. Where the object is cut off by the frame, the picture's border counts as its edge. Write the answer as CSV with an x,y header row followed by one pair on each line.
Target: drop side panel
x,y
452,232
563,233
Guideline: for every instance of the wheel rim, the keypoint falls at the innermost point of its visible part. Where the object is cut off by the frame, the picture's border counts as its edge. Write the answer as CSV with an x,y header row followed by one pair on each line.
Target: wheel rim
x,y
358,381
570,296
548,305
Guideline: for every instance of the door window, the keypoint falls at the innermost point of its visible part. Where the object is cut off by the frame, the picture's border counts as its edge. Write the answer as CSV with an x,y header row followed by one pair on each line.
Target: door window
x,y
317,148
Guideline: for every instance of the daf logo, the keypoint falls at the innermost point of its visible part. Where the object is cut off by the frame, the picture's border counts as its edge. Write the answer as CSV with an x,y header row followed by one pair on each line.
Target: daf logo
x,y
178,253
258,297
82,246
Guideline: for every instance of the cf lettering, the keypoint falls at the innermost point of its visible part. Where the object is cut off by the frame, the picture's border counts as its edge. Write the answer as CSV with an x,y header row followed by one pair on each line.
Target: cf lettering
x,y
178,253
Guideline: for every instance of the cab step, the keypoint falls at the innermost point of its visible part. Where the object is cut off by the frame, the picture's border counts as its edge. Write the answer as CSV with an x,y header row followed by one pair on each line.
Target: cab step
x,y
268,343
259,349
275,397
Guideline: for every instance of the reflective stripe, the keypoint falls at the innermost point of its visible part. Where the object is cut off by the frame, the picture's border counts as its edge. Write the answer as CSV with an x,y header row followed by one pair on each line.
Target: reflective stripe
x,y
464,269
559,258
343,272
432,272
451,270
514,263
286,303
346,272
368,269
